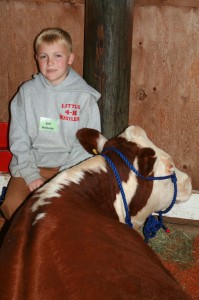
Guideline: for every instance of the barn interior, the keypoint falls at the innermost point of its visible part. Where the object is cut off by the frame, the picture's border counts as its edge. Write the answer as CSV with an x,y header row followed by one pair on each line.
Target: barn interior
x,y
142,56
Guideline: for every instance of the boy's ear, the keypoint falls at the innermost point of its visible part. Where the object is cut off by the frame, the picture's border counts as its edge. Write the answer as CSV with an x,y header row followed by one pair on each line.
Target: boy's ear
x,y
71,58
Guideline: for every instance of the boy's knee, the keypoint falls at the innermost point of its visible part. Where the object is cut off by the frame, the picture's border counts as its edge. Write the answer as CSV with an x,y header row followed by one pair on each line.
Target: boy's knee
x,y
7,211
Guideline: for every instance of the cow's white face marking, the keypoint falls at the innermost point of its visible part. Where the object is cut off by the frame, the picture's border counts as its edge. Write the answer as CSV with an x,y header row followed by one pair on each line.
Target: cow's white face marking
x,y
160,198
184,186
73,175
129,188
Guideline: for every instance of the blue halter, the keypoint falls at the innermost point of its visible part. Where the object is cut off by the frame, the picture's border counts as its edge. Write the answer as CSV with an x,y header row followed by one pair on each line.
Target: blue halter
x,y
152,225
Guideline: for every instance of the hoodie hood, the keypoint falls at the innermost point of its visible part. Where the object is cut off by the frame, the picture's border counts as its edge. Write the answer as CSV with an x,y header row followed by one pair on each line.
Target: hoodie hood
x,y
72,83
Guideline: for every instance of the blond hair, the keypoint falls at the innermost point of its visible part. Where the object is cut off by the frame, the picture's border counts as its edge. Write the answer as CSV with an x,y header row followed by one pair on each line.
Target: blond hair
x,y
51,36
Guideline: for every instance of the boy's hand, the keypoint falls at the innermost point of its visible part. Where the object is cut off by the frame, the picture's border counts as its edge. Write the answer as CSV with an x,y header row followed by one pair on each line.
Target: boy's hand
x,y
35,184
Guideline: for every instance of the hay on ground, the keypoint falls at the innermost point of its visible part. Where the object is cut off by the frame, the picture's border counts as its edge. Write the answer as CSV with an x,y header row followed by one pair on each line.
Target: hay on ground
x,y
176,246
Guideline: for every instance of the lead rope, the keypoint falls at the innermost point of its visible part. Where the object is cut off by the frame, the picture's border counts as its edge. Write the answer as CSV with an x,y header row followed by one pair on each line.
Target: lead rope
x,y
127,218
152,225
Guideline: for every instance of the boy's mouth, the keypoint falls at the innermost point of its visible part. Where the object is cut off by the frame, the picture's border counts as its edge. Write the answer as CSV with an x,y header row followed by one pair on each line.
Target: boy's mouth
x,y
51,70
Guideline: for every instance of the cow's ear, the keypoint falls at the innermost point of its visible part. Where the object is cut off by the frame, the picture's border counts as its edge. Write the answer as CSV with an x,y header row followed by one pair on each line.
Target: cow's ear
x,y
91,139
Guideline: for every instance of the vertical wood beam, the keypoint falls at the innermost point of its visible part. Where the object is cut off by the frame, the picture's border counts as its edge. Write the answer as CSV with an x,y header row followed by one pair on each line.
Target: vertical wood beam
x,y
107,59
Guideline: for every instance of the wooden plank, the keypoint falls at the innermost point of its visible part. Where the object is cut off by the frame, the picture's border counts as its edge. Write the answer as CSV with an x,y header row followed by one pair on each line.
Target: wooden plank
x,y
107,56
185,222
186,210
20,22
4,39
55,1
180,3
164,81
195,192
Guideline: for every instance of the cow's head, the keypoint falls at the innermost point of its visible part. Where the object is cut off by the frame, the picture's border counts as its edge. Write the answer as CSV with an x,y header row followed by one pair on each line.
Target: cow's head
x,y
149,160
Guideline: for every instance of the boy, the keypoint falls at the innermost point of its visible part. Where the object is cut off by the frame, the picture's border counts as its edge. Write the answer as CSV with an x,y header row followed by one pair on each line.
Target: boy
x,y
45,116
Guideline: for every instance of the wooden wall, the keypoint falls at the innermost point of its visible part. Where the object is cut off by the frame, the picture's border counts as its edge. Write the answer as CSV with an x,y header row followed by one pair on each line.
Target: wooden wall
x,y
165,79
20,22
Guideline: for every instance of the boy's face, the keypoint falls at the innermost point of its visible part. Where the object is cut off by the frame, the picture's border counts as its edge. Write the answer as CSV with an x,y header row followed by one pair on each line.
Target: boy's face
x,y
53,61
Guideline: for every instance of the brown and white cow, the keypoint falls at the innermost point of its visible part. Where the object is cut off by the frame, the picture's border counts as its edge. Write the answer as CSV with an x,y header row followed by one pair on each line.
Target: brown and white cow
x,y
66,242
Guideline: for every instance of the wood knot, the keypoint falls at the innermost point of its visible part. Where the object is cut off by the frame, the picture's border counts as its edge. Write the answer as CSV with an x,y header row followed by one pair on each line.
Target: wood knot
x,y
141,95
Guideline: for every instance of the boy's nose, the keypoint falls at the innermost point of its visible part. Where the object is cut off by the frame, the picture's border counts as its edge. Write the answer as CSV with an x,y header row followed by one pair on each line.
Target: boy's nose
x,y
50,61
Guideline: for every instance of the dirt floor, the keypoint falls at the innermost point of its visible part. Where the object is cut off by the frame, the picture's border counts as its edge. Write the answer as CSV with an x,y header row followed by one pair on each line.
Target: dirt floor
x,y
179,252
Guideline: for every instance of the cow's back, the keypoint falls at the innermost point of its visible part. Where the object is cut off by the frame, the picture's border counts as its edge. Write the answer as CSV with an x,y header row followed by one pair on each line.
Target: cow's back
x,y
77,252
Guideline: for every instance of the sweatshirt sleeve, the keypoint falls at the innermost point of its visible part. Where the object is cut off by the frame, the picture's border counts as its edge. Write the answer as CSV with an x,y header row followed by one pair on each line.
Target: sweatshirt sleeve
x,y
23,162
89,118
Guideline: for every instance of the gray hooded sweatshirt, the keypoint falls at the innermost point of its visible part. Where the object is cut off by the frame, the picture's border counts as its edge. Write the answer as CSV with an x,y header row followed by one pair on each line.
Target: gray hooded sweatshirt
x,y
44,122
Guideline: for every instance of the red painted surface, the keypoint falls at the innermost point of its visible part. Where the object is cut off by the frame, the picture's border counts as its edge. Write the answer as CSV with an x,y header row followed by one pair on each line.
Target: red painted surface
x,y
5,154
4,135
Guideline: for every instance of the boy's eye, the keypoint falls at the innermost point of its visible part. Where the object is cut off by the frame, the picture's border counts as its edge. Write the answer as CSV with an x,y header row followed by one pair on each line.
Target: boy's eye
x,y
42,56
58,55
